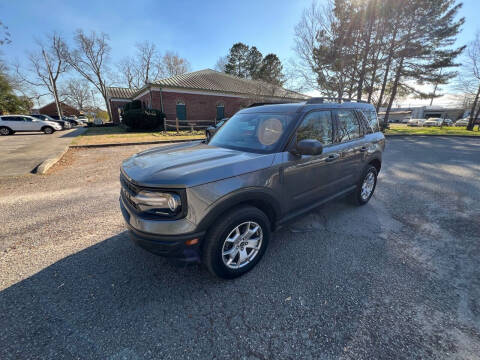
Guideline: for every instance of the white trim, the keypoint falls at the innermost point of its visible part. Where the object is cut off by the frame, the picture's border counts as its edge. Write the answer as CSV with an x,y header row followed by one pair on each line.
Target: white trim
x,y
141,94
119,99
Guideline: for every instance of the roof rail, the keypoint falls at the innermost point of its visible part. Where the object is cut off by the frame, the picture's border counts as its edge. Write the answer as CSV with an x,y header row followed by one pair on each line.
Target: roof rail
x,y
321,100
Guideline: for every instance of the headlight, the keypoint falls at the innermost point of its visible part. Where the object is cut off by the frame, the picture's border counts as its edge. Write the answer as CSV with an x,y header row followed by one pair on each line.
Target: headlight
x,y
160,203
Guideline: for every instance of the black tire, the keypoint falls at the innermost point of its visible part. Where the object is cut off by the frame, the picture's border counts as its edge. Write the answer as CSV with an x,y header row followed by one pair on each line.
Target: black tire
x,y
48,130
356,196
214,241
4,131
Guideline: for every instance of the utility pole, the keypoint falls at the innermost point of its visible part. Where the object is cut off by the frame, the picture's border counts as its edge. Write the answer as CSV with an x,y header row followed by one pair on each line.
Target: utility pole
x,y
54,88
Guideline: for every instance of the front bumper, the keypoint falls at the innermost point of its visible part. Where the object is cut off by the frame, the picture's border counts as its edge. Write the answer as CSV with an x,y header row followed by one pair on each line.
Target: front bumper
x,y
171,245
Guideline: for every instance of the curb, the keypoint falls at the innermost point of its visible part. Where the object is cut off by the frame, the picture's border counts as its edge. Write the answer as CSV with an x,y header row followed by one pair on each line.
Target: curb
x,y
47,164
133,143
434,135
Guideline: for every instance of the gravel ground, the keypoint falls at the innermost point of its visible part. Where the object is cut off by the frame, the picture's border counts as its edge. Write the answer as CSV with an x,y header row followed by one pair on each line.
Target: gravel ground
x,y
397,278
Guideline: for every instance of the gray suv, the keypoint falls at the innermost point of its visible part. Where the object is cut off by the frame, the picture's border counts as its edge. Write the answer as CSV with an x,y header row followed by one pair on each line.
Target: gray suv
x,y
219,202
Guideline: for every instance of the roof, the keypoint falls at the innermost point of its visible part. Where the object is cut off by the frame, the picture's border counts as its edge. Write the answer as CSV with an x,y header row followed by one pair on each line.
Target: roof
x,y
66,106
212,80
304,106
120,93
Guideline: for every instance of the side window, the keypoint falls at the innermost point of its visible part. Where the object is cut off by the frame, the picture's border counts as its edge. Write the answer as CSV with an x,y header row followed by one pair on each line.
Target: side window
x,y
316,125
365,127
372,120
348,127
27,119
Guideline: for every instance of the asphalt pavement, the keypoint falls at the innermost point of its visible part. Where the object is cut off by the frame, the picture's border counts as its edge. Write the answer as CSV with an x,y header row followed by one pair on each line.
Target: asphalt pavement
x,y
398,278
22,152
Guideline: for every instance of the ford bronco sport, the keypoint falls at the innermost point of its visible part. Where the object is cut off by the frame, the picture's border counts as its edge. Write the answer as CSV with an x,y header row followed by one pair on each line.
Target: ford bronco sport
x,y
220,201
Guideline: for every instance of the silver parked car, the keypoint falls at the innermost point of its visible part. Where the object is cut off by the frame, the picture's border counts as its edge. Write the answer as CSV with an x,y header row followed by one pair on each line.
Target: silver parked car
x,y
416,122
433,122
10,124
219,201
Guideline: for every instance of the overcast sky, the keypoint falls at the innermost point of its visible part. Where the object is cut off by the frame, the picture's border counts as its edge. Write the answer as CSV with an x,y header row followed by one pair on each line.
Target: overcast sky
x,y
200,31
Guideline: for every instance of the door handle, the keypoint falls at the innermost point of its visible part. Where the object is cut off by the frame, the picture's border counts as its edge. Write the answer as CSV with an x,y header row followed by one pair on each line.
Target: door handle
x,y
332,157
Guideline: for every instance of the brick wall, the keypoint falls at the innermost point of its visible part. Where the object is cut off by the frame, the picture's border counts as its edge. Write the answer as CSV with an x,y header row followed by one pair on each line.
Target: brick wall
x,y
199,107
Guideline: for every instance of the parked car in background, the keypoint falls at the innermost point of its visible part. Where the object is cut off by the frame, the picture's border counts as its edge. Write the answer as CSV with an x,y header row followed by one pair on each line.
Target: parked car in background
x,y
416,122
65,124
405,120
10,124
462,122
83,119
447,122
220,201
72,121
433,122
211,130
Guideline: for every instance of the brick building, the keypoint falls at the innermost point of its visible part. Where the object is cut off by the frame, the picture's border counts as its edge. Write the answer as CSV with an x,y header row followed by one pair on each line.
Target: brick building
x,y
201,95
51,109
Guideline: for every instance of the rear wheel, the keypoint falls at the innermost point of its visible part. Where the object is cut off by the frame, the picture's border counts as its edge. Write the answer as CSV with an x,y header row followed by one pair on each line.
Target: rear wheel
x,y
48,130
236,244
4,131
365,187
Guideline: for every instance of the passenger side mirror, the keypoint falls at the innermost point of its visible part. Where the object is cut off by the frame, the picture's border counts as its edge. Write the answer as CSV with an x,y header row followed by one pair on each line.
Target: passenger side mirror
x,y
309,147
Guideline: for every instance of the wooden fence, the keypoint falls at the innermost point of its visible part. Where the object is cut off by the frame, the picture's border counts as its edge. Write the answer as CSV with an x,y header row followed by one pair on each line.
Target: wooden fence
x,y
188,124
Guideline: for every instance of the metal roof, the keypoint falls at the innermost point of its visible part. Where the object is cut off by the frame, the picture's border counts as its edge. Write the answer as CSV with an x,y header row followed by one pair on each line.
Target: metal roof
x,y
212,80
120,93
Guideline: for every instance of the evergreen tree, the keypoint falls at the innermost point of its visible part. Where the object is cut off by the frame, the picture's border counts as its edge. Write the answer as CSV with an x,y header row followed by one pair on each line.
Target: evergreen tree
x,y
237,60
271,70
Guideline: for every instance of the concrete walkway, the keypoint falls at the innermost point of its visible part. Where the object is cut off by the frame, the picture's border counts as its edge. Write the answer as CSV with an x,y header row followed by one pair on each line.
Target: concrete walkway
x,y
21,153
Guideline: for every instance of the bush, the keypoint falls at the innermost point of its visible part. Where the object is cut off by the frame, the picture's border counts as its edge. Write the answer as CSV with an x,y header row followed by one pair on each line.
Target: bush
x,y
137,117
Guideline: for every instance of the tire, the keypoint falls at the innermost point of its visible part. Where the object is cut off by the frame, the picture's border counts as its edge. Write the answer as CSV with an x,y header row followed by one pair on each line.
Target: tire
x,y
4,131
361,199
216,242
48,130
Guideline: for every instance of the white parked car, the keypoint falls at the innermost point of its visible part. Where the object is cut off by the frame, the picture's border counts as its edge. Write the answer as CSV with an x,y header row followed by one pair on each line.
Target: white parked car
x,y
10,124
433,122
416,122
462,122
447,122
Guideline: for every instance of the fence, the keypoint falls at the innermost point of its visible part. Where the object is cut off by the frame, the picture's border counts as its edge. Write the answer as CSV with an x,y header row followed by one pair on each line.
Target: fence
x,y
188,124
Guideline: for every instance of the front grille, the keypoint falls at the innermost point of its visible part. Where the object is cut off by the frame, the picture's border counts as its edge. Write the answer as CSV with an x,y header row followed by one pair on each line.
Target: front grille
x,y
128,191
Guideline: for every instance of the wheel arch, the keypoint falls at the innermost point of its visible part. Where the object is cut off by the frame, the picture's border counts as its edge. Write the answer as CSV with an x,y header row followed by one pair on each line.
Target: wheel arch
x,y
262,199
377,163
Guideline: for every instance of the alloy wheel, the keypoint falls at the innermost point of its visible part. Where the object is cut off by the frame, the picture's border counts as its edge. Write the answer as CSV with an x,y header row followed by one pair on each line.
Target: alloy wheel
x,y
242,245
367,186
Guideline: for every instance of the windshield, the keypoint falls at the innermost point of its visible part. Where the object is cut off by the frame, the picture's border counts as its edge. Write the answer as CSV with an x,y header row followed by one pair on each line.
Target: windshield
x,y
253,132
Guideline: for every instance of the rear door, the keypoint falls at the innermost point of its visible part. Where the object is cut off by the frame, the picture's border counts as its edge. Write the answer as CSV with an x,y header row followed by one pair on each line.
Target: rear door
x,y
352,146
15,123
32,124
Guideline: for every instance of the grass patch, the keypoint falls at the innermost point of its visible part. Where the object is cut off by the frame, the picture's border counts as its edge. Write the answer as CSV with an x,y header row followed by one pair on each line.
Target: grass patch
x,y
118,135
403,129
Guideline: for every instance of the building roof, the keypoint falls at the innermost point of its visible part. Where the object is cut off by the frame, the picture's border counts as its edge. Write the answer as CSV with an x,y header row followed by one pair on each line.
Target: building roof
x,y
212,80
120,93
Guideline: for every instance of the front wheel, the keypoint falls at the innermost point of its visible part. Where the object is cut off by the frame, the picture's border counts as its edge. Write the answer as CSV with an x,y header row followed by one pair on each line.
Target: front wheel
x,y
48,130
236,244
365,187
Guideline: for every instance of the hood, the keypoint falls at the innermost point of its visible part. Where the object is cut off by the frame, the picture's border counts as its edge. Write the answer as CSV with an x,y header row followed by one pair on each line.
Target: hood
x,y
190,164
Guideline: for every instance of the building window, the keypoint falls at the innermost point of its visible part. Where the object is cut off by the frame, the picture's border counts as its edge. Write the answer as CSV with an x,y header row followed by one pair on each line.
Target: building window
x,y
181,111
220,111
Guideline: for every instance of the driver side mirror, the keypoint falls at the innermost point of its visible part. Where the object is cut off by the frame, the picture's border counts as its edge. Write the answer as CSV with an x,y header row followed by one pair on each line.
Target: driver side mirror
x,y
309,147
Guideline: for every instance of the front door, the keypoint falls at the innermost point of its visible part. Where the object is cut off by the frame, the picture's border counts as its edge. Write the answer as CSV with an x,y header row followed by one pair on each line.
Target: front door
x,y
181,112
308,178
220,112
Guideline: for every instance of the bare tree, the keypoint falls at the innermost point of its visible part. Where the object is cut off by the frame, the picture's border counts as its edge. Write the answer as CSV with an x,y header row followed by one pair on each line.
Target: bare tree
x,y
172,64
148,62
471,79
220,64
89,58
4,34
128,73
77,93
46,67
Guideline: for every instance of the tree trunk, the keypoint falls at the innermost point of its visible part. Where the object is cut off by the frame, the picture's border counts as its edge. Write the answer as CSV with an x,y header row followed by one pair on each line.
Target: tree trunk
x,y
387,69
398,74
471,121
361,78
